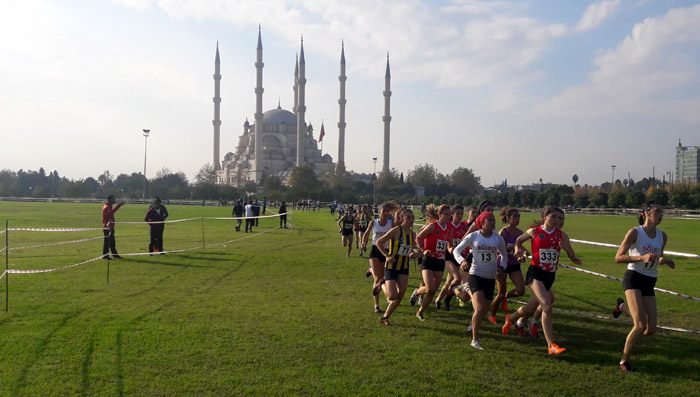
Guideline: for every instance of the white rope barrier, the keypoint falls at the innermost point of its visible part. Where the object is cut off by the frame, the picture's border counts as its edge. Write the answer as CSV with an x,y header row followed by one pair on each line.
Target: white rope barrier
x,y
53,229
3,274
59,243
33,271
3,249
617,246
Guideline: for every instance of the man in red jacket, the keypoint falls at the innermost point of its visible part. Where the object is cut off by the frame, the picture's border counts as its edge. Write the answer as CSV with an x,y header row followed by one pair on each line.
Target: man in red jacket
x,y
108,228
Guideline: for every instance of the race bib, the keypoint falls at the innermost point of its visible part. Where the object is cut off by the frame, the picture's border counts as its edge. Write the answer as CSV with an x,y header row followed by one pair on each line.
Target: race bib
x,y
549,256
441,246
455,242
486,257
363,223
347,226
404,250
649,266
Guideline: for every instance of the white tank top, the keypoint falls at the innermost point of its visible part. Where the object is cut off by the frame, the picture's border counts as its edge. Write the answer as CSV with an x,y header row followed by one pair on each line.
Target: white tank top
x,y
485,250
378,231
643,246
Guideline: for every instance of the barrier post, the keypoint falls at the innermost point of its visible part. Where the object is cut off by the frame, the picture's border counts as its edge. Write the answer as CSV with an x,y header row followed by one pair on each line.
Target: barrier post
x,y
203,248
7,274
108,259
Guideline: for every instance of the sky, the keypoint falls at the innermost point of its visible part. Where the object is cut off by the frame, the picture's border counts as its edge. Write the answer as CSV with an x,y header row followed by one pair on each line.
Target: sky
x,y
516,90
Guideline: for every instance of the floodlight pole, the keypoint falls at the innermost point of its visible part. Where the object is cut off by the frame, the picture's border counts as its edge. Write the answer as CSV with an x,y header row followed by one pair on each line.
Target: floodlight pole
x,y
145,151
374,182
612,182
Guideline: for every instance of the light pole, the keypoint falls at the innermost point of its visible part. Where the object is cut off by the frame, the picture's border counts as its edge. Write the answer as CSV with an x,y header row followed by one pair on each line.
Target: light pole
x,y
612,183
374,184
145,151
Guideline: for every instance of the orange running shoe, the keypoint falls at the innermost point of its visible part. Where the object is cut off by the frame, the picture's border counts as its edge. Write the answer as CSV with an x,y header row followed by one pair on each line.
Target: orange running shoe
x,y
506,326
504,305
554,349
492,319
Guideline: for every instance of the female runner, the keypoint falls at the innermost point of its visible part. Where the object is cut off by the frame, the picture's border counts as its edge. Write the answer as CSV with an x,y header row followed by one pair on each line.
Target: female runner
x,y
485,245
434,240
454,277
547,242
643,251
365,218
378,227
511,217
345,226
402,247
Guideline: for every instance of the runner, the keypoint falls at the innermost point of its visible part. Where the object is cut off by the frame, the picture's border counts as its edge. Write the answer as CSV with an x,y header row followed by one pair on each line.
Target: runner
x,y
434,240
643,251
547,242
379,227
511,217
345,225
365,218
454,277
402,247
485,245
357,229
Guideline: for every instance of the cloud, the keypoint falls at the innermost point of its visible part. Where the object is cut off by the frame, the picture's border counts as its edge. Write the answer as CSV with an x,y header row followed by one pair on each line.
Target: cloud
x,y
646,74
596,13
140,5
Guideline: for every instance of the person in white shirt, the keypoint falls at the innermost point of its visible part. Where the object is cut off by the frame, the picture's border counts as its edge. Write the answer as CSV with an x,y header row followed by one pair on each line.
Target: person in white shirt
x,y
249,220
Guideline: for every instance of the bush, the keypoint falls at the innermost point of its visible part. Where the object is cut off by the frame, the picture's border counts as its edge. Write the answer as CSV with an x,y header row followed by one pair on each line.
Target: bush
x,y
600,199
617,199
659,195
635,199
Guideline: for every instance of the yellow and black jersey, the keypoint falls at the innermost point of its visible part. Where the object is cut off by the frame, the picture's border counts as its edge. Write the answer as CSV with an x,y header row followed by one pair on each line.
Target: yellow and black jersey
x,y
401,248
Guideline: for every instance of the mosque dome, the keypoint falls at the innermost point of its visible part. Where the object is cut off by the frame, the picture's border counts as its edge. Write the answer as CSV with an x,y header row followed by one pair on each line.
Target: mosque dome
x,y
279,116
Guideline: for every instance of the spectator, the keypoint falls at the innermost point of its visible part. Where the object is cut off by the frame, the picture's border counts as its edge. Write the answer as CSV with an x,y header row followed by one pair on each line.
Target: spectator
x,y
108,228
283,216
249,221
155,216
238,212
256,211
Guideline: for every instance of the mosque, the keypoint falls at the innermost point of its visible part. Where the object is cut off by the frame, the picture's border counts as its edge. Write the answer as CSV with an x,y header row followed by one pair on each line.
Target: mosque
x,y
285,141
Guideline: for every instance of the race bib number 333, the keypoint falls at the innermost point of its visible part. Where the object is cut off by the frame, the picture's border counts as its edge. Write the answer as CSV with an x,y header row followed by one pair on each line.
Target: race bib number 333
x,y
549,256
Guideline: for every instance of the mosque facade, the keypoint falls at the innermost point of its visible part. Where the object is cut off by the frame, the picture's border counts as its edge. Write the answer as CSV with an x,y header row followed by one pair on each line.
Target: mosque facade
x,y
277,140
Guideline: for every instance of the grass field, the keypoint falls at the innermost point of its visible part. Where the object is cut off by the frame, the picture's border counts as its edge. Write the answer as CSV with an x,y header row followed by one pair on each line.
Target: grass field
x,y
285,313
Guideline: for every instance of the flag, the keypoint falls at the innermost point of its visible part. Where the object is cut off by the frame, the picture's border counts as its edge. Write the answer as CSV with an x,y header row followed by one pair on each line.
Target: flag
x,y
323,132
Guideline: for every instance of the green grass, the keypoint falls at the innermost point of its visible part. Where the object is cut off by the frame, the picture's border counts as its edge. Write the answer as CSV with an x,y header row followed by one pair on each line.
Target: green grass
x,y
285,313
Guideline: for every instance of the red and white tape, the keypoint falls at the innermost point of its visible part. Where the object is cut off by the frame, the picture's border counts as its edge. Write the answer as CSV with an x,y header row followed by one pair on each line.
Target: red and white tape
x,y
618,279
34,271
157,222
690,331
3,249
3,274
617,246
59,243
53,229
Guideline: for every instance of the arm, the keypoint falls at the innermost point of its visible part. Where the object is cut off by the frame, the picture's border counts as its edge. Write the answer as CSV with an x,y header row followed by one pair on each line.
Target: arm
x,y
520,251
502,233
117,207
415,254
423,234
383,240
623,255
457,251
566,245
165,212
503,251
665,261
365,235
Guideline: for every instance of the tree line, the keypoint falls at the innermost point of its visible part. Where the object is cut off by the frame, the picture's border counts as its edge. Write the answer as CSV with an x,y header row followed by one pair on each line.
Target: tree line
x,y
459,186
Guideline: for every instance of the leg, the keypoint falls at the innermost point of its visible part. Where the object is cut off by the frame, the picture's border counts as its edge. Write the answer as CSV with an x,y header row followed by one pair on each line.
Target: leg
x,y
112,243
378,273
501,284
395,291
481,307
650,307
545,302
105,242
349,244
519,282
432,282
637,310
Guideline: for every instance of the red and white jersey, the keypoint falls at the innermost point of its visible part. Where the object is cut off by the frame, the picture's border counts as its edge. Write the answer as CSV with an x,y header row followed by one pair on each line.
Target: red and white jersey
x,y
438,241
546,246
458,232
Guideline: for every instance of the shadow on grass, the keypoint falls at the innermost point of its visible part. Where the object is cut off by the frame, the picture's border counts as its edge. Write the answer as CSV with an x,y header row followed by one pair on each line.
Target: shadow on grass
x,y
39,349
85,367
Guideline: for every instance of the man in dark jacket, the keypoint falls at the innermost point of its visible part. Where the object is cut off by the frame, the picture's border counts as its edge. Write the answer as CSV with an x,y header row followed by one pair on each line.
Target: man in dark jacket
x,y
155,216
256,211
238,212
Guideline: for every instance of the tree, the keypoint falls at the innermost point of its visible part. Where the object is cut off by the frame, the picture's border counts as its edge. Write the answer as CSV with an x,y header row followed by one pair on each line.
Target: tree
x,y
205,175
634,199
105,179
303,180
658,195
600,199
272,184
616,199
575,179
582,200
423,175
465,181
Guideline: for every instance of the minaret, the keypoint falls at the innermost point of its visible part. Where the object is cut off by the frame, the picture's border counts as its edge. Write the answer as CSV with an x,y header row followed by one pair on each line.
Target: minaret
x,y
341,104
301,107
296,84
387,116
217,108
258,167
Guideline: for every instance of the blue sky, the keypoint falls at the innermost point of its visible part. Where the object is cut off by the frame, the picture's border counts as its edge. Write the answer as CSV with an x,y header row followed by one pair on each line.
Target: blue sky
x,y
516,90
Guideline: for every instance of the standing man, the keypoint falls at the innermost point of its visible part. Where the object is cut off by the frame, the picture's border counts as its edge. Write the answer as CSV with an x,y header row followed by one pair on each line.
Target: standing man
x,y
264,204
283,216
155,216
249,221
238,212
108,228
256,211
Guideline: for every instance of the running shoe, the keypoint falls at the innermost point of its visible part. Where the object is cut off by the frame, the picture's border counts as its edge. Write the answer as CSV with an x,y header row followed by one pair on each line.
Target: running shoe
x,y
385,321
377,309
438,305
506,326
618,309
447,304
378,287
414,297
475,344
554,349
504,305
519,328
469,329
492,319
625,366
533,330
361,252
368,272
348,256
420,316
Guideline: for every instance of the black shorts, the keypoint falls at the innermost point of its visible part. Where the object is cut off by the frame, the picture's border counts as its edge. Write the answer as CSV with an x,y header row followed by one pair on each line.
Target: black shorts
x,y
347,232
374,253
391,274
477,283
513,268
535,273
450,257
434,264
636,280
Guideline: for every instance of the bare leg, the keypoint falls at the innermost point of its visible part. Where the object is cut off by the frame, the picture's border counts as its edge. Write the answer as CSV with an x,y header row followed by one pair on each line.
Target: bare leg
x,y
395,291
481,307
378,273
